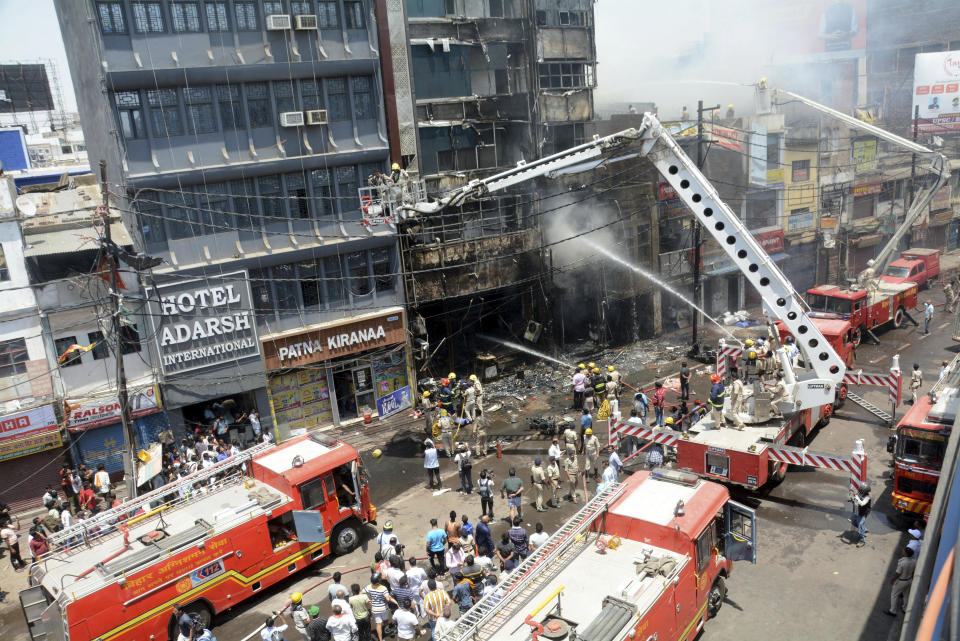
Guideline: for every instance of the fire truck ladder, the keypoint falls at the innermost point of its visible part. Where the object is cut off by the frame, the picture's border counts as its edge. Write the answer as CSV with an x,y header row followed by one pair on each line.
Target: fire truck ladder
x,y
107,520
538,568
884,416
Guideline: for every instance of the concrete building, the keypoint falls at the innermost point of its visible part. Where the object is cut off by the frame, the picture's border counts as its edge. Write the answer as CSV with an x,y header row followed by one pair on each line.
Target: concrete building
x,y
495,83
236,135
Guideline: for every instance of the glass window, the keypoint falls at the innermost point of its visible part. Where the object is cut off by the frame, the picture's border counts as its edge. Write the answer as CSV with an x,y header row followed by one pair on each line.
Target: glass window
x,y
353,13
181,217
773,151
327,15
301,7
333,278
217,16
271,197
322,198
111,17
382,269
129,339
311,494
258,104
62,345
4,271
260,287
272,8
147,17
100,349
130,114
800,170
13,357
200,116
288,287
186,17
541,18
244,204
337,99
297,192
310,90
359,273
246,14
921,447
363,107
705,544
496,8
347,189
217,213
283,93
151,218
311,287
231,109
564,75
164,112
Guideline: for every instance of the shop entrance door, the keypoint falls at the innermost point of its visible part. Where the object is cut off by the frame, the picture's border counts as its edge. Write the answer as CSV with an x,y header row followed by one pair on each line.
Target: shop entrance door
x,y
363,384
355,392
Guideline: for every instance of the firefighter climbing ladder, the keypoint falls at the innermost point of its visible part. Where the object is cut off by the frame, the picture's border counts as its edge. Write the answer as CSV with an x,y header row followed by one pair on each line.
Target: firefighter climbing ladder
x,y
530,575
106,520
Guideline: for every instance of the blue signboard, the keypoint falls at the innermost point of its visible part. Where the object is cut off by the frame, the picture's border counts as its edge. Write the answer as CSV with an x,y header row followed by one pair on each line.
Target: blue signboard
x,y
393,402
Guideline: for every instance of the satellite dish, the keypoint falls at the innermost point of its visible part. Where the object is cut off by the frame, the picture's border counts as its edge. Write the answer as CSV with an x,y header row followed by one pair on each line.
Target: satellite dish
x,y
27,206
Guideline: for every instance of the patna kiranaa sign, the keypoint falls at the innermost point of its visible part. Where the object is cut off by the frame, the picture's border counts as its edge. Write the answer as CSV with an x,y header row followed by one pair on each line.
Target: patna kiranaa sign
x,y
205,322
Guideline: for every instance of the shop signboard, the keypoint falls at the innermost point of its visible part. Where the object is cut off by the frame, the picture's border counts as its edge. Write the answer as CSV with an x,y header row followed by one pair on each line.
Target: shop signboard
x,y
803,220
204,322
866,189
104,411
865,155
936,91
28,432
941,199
393,402
771,241
775,177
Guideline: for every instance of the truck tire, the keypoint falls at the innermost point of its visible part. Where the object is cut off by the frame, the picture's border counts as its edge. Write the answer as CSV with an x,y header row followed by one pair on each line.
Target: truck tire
x,y
197,609
718,592
777,472
898,318
841,397
346,538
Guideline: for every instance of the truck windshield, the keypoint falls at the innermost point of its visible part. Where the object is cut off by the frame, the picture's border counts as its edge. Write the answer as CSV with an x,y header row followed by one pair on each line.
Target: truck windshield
x,y
921,447
821,303
897,271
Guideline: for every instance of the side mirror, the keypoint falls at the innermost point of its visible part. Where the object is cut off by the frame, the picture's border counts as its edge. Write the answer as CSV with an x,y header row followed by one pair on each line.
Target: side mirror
x,y
891,443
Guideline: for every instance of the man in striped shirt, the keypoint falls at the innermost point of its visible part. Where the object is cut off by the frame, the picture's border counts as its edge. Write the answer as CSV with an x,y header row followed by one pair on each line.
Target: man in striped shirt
x,y
436,603
379,596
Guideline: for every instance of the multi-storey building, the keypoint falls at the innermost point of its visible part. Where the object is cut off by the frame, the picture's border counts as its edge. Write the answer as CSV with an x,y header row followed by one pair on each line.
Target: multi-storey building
x,y
236,135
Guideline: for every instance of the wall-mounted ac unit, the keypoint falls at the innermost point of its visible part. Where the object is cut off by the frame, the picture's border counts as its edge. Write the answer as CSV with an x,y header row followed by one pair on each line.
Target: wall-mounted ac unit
x,y
317,117
291,119
278,22
305,22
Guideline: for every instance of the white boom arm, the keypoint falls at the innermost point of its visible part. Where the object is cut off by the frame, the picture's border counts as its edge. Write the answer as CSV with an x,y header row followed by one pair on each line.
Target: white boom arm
x,y
939,166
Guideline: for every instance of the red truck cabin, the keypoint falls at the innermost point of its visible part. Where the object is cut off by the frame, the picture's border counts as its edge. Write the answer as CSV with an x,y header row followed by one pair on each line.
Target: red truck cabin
x,y
838,332
204,546
922,437
917,266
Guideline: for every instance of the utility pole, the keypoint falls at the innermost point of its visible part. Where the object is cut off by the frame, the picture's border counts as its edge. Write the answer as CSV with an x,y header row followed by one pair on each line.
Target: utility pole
x,y
130,441
697,237
913,176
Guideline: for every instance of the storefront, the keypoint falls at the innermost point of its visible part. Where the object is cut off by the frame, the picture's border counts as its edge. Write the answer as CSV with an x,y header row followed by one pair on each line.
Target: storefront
x,y
335,373
726,288
30,445
96,430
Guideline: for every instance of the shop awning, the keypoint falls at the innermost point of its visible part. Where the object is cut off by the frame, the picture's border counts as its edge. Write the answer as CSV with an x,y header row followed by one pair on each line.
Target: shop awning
x,y
723,265
67,241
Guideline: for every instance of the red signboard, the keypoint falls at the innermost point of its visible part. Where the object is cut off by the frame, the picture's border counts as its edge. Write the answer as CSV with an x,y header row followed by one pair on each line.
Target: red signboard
x,y
104,411
726,137
771,241
865,189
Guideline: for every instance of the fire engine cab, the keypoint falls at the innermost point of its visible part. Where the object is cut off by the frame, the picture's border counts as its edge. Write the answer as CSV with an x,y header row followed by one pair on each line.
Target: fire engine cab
x,y
206,542
865,309
647,558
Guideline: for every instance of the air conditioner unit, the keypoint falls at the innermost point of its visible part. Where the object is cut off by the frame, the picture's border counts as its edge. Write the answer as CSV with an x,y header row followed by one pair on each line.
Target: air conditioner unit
x,y
291,119
278,22
317,117
305,22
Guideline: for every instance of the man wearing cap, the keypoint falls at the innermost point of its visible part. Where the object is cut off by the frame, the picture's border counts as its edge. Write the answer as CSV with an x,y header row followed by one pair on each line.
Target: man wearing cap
x,y
571,469
469,401
538,477
591,449
717,394
446,432
317,628
553,474
554,450
299,614
616,378
383,539
426,407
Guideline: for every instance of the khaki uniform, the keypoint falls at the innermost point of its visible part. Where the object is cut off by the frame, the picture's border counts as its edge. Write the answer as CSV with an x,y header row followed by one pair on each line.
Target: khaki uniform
x,y
951,297
616,378
570,438
470,403
916,380
539,477
446,434
591,449
480,436
779,393
478,388
572,467
553,471
736,402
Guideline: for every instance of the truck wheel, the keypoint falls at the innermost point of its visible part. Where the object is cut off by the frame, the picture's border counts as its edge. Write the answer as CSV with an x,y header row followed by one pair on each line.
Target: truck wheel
x,y
778,472
856,336
841,396
198,610
718,592
345,539
898,318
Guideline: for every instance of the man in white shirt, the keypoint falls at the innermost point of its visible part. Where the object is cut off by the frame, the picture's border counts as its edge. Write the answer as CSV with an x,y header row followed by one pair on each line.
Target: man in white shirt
x,y
274,628
341,600
554,449
101,480
408,627
341,624
393,576
416,577
539,537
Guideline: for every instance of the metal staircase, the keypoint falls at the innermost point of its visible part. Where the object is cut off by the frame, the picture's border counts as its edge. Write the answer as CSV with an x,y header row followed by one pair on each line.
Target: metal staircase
x,y
529,576
870,407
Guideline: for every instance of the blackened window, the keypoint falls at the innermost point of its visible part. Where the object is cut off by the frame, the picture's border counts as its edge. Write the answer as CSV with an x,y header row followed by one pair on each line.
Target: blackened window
x,y
272,8
310,90
564,75
541,18
4,270
337,99
164,112
13,357
363,108
287,286
283,93
151,218
353,14
244,204
327,15
130,114
62,345
111,17
100,349
382,269
186,17
301,7
347,189
496,8
359,273
217,16
231,109
200,116
572,18
147,17
246,15
258,104
320,181
311,287
333,278
129,339
297,192
271,196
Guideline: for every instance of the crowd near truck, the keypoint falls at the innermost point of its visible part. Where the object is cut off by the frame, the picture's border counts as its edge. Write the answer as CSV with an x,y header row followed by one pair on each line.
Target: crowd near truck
x,y
648,558
205,542
919,266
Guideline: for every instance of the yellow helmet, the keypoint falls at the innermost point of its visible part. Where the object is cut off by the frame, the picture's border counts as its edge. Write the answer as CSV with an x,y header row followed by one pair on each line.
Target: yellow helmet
x,y
296,597
591,366
426,394
395,165
581,366
473,377
596,370
668,420
443,412
451,376
752,355
377,453
610,368
749,342
588,431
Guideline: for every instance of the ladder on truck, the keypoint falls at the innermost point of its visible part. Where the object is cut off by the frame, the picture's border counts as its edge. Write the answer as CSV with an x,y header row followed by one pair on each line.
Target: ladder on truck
x,y
530,575
107,521
883,415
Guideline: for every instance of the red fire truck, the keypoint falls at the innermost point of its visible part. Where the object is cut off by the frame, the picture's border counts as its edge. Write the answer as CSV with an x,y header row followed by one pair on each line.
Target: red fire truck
x,y
865,309
919,445
645,559
206,542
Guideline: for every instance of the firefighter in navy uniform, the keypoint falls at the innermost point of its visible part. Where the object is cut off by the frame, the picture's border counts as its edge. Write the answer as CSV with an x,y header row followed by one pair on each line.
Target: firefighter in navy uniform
x,y
445,396
599,384
717,393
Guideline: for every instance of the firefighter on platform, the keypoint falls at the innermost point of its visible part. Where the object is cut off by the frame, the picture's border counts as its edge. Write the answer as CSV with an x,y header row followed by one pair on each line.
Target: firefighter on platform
x,y
398,174
717,394
779,389
736,400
